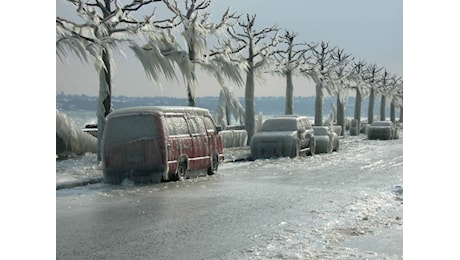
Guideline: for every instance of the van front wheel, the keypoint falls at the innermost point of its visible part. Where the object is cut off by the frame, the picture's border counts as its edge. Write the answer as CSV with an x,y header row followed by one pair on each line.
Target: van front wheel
x,y
214,164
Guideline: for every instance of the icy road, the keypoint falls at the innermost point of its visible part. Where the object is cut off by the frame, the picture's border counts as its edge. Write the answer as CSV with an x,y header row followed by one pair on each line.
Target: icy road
x,y
345,205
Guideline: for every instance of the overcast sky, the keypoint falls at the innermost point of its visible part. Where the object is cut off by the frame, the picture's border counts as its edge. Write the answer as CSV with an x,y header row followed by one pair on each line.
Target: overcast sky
x,y
368,30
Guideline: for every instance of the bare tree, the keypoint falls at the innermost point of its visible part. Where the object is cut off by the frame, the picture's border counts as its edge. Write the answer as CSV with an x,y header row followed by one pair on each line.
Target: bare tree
x,y
196,29
288,62
341,77
257,55
107,24
319,70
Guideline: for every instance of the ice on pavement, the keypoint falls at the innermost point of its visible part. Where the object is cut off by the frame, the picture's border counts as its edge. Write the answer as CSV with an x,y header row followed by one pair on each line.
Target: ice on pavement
x,y
333,225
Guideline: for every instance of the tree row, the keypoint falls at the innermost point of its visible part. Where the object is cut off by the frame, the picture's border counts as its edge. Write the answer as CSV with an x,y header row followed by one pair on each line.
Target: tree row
x,y
232,49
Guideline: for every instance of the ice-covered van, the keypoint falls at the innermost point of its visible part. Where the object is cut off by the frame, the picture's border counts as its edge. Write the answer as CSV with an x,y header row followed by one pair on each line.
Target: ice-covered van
x,y
155,143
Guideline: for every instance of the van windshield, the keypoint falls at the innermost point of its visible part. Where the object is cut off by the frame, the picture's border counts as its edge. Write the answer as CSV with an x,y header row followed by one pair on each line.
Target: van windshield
x,y
129,128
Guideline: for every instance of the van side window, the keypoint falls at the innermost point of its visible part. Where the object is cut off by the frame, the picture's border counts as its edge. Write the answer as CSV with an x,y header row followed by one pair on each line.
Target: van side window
x,y
196,126
176,125
200,125
209,124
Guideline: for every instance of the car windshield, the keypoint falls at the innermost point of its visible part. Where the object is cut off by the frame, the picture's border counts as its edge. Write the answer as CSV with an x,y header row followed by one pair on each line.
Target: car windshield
x,y
321,130
381,123
279,124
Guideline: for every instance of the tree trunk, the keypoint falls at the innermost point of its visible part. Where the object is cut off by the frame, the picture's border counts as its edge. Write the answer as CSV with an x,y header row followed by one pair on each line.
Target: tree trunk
x,y
228,113
341,114
393,111
289,110
383,101
249,104
400,113
190,84
190,97
190,89
370,108
319,105
105,102
357,117
358,102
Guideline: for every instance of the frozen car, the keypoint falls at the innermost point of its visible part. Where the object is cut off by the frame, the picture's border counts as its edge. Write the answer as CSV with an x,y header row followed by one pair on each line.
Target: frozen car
x,y
383,130
151,144
327,140
283,136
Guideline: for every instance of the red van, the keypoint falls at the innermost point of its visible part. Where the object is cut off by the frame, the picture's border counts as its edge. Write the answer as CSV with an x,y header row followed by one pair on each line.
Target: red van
x,y
153,144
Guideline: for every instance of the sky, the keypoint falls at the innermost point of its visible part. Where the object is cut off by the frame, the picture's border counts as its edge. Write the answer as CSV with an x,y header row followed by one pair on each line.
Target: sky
x,y
368,30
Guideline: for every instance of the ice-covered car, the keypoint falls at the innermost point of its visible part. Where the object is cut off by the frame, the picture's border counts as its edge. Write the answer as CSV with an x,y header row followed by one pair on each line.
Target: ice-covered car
x,y
383,130
160,143
327,139
283,136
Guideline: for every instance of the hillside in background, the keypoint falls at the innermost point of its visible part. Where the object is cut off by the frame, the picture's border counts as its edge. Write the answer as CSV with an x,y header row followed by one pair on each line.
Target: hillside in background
x,y
266,105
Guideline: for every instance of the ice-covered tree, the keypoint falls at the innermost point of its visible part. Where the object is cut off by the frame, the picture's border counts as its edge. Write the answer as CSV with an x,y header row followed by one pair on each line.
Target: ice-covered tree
x,y
383,90
395,92
341,77
318,68
257,47
361,88
399,99
371,78
105,25
196,32
228,107
225,63
289,58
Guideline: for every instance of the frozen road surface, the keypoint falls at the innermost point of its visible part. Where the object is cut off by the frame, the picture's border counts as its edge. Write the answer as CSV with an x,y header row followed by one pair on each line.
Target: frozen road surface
x,y
344,205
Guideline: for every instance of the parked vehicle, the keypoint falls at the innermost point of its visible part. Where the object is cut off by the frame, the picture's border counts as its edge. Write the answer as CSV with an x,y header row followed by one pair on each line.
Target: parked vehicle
x,y
383,130
326,138
283,136
152,144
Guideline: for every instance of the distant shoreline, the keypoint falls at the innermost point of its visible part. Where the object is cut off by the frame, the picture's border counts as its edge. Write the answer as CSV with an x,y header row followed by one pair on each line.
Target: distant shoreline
x,y
268,105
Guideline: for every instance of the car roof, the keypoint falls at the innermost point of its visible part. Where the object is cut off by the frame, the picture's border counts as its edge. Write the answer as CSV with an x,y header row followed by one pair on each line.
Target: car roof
x,y
289,116
159,109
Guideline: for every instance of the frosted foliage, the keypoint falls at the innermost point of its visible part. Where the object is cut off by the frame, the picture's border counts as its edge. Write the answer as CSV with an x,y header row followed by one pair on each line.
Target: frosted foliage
x,y
342,93
227,100
195,34
223,68
221,110
332,115
262,67
160,55
73,141
259,122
